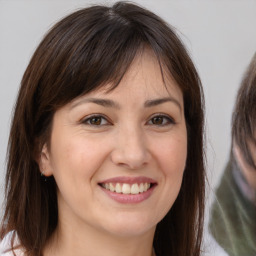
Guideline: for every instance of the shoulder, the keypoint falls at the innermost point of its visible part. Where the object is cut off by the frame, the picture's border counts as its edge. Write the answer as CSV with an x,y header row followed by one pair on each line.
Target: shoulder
x,y
211,247
5,245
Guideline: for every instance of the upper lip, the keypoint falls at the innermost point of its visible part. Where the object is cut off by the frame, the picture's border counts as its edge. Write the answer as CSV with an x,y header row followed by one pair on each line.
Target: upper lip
x,y
129,180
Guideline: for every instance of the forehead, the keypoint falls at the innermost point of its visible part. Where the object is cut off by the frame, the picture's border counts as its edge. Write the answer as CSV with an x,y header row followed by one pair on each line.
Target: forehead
x,y
145,76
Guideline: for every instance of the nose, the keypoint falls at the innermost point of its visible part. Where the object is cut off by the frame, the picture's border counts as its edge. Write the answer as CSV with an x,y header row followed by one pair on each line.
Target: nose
x,y
131,149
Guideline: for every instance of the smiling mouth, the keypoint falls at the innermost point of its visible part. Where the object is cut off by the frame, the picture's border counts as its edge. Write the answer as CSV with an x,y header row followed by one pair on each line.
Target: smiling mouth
x,y
127,189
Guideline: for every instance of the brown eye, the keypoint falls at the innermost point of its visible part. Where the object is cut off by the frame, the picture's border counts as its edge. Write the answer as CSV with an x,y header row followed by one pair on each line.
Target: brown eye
x,y
161,120
95,121
158,120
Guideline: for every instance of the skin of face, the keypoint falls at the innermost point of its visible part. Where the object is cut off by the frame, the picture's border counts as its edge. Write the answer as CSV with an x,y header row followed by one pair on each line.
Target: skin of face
x,y
248,171
136,130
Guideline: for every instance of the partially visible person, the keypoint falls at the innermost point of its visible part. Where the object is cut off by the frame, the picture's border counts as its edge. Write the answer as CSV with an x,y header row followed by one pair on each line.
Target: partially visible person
x,y
233,215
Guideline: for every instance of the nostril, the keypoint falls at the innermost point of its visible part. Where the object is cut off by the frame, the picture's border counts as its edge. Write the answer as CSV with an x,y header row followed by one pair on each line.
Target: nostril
x,y
129,159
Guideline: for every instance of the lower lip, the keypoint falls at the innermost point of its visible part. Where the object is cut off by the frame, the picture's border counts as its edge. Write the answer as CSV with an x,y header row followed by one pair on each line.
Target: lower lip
x,y
129,198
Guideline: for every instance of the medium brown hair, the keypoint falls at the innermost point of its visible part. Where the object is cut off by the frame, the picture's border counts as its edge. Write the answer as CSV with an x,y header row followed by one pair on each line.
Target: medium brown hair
x,y
244,115
84,51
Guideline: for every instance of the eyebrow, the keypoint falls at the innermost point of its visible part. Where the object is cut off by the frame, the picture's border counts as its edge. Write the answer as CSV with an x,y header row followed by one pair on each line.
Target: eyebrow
x,y
112,104
101,102
155,102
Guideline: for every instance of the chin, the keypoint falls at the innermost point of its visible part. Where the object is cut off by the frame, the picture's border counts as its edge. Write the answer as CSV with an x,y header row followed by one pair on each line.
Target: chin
x,y
130,225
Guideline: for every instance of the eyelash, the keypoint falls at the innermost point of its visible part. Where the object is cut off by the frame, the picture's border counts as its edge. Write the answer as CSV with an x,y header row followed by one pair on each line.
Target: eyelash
x,y
89,119
167,120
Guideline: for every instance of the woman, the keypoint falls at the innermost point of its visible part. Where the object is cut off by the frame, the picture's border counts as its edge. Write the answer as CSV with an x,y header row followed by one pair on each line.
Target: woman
x,y
233,222
106,144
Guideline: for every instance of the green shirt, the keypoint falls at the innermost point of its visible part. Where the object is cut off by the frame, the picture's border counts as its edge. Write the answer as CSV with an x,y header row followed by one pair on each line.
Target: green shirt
x,y
233,218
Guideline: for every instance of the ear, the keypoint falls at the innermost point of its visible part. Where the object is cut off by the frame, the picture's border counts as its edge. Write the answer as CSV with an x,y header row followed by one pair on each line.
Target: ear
x,y
44,161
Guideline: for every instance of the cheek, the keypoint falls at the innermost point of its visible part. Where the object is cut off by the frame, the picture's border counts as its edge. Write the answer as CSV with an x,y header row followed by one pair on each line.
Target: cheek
x,y
172,155
75,162
77,155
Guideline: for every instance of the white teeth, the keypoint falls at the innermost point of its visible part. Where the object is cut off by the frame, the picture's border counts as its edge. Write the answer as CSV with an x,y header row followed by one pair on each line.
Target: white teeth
x,y
125,188
118,188
135,189
111,187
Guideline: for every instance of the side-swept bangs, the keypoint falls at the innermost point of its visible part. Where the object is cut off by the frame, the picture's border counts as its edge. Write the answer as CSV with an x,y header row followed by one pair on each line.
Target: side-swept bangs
x,y
94,47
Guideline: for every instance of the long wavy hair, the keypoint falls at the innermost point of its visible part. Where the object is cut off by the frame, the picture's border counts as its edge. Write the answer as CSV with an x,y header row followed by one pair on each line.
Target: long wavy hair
x,y
84,51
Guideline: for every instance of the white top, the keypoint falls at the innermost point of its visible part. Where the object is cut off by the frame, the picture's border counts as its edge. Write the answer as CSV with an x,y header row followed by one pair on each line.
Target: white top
x,y
211,247
5,245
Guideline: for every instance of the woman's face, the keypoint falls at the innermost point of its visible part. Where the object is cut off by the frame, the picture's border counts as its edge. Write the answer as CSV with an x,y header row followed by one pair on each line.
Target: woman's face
x,y
246,168
118,157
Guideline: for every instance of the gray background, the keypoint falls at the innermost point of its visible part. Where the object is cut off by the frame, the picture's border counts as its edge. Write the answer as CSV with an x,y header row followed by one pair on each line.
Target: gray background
x,y
220,36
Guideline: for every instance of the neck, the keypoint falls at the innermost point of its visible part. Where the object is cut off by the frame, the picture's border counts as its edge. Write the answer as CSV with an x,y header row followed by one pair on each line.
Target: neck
x,y
86,241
